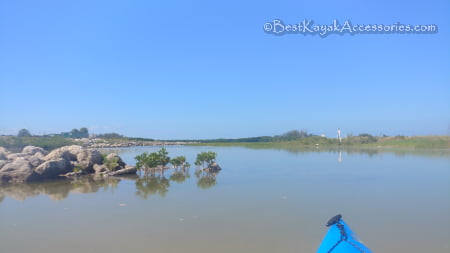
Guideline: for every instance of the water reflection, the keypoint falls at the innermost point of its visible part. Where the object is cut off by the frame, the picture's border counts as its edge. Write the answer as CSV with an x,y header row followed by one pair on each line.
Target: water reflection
x,y
369,151
156,183
152,185
180,175
60,189
206,178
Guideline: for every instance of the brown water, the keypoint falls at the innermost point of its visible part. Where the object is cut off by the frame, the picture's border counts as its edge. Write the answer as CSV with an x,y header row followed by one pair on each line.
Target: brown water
x,y
262,201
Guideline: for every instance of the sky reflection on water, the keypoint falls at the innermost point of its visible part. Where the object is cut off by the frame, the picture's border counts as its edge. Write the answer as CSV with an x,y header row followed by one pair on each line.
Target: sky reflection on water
x,y
262,201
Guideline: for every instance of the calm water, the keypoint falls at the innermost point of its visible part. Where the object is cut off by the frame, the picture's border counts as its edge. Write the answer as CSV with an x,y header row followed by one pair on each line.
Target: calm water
x,y
262,201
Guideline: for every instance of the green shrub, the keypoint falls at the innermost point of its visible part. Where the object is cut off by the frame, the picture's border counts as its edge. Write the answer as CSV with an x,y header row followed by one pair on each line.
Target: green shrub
x,y
111,163
79,168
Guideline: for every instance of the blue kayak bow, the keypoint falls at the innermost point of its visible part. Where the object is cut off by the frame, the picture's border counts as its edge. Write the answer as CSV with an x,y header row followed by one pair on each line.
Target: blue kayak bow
x,y
340,238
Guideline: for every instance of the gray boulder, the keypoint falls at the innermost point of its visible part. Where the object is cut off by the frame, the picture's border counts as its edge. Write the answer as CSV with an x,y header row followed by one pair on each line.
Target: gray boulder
x,y
18,163
99,168
2,163
32,150
52,169
18,171
88,158
125,171
68,153
214,167
15,156
34,160
39,155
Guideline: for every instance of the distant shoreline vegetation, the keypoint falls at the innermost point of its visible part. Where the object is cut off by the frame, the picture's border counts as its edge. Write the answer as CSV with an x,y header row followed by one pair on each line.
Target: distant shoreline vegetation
x,y
52,141
296,138
419,142
362,140
290,139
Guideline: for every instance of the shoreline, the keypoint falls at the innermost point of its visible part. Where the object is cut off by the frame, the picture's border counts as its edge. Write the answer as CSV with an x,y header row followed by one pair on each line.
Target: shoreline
x,y
413,142
13,143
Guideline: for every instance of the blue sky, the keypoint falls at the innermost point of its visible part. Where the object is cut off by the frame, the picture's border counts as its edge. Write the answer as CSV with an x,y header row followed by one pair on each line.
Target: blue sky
x,y
204,69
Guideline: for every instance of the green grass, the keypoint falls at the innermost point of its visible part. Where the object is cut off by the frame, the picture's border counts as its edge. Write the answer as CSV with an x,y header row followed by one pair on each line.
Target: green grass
x,y
304,143
16,144
420,142
428,146
424,142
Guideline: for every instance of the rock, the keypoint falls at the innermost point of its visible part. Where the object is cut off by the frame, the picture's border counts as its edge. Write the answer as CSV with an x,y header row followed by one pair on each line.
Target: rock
x,y
99,168
88,158
68,153
3,153
52,169
15,156
35,164
115,156
127,170
39,155
2,163
34,161
31,150
129,167
60,154
73,174
18,171
214,167
17,164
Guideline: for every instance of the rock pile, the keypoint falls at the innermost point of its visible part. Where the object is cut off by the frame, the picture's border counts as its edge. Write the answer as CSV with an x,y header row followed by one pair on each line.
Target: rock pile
x,y
36,164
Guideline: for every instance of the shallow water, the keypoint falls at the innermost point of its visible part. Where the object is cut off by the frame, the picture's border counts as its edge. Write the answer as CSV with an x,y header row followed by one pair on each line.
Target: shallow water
x,y
262,201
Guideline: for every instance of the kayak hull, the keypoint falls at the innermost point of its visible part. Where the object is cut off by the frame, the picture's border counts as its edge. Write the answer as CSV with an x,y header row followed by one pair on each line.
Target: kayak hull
x,y
340,238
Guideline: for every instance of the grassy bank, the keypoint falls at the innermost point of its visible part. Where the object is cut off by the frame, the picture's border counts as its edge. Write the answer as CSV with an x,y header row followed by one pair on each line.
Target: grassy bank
x,y
422,142
426,142
16,144
362,141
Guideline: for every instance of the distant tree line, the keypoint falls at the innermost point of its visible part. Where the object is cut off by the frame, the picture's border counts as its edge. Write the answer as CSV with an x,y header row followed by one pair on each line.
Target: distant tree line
x,y
363,138
76,133
120,136
110,136
301,136
23,133
248,139
292,135
288,136
82,133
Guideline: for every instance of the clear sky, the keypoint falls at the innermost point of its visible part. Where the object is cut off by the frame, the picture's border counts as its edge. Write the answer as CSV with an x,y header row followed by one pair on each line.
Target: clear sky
x,y
206,69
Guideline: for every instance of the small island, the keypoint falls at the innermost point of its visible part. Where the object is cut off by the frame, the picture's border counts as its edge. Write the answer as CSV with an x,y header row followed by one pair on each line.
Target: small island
x,y
35,164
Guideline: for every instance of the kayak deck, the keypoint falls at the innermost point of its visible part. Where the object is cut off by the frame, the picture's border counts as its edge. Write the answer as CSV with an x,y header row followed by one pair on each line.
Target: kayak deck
x,y
340,238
